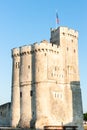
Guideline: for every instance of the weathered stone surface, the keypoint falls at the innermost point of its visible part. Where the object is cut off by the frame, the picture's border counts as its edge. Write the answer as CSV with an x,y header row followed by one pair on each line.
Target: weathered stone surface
x,y
45,84
10,128
5,114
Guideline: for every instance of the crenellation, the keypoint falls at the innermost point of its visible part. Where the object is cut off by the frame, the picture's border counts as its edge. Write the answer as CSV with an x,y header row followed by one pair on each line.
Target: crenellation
x,y
38,48
64,31
15,52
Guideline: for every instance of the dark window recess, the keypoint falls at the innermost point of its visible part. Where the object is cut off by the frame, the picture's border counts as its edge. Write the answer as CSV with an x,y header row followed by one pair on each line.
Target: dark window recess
x,y
33,112
31,93
55,68
9,106
74,50
67,48
72,40
45,54
17,65
63,33
28,66
1,113
20,94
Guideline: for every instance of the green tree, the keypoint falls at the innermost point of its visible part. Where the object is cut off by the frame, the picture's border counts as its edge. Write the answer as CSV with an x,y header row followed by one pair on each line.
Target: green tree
x,y
85,116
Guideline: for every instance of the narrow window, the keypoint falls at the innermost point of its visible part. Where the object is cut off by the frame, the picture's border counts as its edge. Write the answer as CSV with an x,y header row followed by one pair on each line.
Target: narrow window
x,y
33,112
28,66
17,65
31,93
1,113
72,40
67,48
74,50
21,94
55,68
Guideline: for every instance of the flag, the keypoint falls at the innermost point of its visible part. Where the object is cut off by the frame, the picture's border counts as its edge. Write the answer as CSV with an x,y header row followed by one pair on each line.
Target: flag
x,y
57,19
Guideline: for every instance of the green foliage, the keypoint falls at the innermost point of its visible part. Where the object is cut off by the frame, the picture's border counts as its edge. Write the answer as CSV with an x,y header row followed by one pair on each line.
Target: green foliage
x,y
85,116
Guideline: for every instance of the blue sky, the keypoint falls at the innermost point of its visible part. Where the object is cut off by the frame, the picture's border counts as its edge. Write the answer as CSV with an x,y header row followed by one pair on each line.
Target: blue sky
x,y
28,21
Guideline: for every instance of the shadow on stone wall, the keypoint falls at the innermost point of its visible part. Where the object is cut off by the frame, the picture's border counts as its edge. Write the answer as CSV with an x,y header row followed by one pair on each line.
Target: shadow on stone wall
x,y
77,105
33,89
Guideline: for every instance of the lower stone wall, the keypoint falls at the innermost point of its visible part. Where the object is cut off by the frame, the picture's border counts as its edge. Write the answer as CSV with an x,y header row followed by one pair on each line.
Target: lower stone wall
x,y
10,128
77,105
5,116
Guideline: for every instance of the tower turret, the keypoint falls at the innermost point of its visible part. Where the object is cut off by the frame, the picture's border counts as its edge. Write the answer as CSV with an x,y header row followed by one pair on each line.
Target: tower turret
x,y
25,86
15,97
67,40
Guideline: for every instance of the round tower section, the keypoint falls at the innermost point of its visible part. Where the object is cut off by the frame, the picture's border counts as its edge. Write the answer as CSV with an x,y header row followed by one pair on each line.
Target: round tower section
x,y
41,82
40,59
15,97
25,86
46,77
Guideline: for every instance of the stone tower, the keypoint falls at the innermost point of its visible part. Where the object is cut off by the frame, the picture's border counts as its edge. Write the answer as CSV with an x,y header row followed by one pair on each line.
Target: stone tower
x,y
15,99
45,84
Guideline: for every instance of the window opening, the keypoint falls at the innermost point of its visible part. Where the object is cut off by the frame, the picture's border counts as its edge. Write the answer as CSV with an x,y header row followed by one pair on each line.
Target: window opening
x,y
21,94
31,93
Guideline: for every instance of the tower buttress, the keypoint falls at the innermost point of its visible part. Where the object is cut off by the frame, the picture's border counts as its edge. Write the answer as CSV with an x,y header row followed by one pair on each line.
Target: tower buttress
x,y
15,97
25,87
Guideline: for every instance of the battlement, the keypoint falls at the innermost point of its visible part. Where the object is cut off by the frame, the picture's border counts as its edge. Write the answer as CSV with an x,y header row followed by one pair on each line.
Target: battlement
x,y
15,52
65,31
43,46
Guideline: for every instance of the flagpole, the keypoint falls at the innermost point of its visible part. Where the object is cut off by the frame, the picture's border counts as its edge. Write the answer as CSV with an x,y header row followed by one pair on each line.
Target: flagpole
x,y
57,19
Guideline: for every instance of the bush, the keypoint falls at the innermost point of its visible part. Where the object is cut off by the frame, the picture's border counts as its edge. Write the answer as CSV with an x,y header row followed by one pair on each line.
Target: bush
x,y
85,116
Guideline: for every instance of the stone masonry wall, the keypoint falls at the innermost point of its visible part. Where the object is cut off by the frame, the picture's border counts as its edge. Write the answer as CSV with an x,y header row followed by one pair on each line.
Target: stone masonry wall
x,y
5,114
43,84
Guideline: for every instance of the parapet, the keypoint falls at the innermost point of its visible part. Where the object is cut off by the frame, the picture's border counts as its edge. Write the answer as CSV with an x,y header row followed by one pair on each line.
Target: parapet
x,y
44,46
15,52
25,49
65,31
